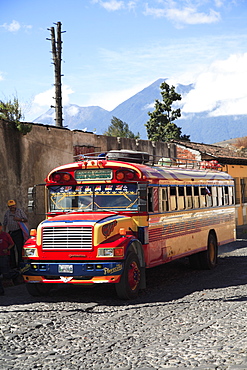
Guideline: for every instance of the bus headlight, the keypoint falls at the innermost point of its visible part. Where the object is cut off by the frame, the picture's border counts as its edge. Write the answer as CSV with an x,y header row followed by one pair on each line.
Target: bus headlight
x,y
106,252
110,252
30,252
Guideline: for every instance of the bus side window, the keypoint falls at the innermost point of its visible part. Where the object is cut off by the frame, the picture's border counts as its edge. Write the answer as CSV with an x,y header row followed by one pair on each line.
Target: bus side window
x,y
164,199
214,196
226,195
142,197
150,199
231,197
181,199
155,200
220,196
209,197
173,198
203,200
188,197
206,196
196,196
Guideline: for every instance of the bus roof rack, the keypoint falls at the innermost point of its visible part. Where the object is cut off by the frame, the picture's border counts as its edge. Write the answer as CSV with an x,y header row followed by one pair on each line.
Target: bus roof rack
x,y
134,156
128,156
189,163
123,155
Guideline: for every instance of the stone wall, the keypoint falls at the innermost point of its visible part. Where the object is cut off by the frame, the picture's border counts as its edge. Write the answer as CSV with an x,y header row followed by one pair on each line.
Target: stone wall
x,y
27,159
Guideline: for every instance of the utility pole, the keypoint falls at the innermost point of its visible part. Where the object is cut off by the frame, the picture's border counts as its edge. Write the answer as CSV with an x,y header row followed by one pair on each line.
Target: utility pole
x,y
56,56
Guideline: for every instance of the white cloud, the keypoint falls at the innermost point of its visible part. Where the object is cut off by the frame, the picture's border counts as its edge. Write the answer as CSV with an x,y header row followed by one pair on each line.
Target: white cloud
x,y
219,3
189,14
182,12
14,26
131,5
111,99
155,12
45,100
111,5
73,111
220,89
27,27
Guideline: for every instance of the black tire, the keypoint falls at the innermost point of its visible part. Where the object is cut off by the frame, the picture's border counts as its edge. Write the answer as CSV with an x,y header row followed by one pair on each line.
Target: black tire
x,y
38,289
129,285
208,259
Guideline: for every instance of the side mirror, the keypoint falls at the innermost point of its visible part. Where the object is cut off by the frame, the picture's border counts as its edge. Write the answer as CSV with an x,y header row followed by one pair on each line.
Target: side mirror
x,y
31,199
36,197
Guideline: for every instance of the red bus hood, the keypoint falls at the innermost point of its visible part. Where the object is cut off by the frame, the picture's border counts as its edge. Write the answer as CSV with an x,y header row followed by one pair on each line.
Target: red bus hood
x,y
83,218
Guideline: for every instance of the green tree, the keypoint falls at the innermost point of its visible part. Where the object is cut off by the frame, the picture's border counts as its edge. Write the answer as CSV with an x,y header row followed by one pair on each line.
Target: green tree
x,y
160,126
118,128
10,111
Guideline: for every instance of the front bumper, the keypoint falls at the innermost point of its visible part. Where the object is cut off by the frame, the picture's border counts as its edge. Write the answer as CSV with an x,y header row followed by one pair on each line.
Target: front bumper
x,y
76,273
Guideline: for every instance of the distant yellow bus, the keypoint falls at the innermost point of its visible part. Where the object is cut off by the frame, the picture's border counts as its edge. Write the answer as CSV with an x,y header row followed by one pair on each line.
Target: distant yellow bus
x,y
110,218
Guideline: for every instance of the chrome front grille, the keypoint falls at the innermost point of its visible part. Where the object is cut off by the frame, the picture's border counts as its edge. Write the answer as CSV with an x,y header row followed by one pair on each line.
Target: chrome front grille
x,y
78,237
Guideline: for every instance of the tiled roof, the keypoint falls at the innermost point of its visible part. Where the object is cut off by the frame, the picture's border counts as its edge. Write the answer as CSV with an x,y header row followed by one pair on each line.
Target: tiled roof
x,y
222,154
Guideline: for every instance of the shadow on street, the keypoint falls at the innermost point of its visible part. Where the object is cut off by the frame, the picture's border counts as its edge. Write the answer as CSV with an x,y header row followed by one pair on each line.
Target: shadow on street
x,y
165,283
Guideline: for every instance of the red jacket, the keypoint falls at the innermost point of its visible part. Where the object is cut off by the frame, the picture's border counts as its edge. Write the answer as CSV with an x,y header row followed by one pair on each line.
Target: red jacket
x,y
5,242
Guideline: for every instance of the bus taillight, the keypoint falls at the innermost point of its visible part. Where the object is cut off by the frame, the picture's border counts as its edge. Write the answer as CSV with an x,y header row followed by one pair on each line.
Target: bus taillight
x,y
59,177
56,177
66,177
125,175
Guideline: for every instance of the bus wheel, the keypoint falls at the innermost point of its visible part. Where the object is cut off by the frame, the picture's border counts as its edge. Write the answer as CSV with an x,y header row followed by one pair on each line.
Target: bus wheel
x,y
208,258
39,289
129,285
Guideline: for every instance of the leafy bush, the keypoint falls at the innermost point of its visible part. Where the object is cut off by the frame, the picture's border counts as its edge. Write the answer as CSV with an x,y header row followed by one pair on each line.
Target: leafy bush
x,y
11,112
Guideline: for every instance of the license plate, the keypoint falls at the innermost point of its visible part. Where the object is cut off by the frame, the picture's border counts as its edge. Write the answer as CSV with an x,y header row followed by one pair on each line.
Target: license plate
x,y
65,268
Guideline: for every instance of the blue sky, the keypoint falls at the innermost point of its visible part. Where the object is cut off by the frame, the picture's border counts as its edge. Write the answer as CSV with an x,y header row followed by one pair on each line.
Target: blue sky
x,y
114,48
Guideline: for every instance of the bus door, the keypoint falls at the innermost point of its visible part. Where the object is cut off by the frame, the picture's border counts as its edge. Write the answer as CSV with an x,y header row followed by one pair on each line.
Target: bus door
x,y
157,250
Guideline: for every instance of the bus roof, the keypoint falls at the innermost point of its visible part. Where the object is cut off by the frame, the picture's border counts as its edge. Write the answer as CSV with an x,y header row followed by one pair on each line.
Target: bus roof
x,y
182,174
146,172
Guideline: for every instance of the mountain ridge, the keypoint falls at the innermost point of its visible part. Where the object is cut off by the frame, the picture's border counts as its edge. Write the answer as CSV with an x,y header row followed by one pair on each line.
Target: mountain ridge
x,y
134,111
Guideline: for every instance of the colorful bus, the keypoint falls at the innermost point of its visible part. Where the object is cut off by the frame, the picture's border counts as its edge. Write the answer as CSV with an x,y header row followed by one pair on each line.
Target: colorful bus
x,y
111,217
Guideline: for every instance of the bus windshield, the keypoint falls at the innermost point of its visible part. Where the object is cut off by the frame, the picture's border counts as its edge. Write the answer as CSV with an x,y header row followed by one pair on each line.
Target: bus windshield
x,y
84,198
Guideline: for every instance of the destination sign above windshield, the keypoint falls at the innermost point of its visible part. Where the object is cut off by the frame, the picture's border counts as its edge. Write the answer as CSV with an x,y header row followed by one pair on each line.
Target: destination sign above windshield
x,y
93,175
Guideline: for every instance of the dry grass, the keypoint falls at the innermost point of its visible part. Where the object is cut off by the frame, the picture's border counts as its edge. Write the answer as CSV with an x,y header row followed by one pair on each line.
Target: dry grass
x,y
241,143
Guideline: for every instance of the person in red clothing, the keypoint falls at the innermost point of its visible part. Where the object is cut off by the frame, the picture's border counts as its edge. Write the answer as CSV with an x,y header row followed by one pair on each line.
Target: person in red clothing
x,y
6,243
11,223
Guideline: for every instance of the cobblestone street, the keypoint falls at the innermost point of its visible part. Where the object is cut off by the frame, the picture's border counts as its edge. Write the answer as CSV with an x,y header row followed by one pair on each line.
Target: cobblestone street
x,y
184,319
